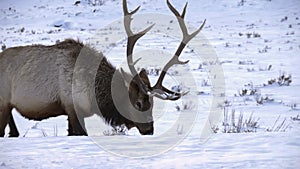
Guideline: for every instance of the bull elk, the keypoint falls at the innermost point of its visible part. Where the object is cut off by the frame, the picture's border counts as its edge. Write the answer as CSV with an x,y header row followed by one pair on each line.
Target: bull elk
x,y
36,80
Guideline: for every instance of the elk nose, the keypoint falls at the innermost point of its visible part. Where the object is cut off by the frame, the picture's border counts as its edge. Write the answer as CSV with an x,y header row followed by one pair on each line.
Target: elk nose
x,y
149,131
145,128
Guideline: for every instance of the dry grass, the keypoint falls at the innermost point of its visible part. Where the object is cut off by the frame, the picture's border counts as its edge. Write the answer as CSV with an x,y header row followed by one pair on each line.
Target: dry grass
x,y
233,123
278,126
117,130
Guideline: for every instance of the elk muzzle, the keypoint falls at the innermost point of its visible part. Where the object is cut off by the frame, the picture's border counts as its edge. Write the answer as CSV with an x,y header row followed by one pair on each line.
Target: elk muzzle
x,y
145,128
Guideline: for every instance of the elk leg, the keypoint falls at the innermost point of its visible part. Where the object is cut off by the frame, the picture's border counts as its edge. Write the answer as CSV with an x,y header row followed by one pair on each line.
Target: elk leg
x,y
76,125
4,118
13,130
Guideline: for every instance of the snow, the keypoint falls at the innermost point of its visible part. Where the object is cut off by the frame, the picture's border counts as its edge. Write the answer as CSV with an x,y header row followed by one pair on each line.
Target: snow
x,y
275,150
246,38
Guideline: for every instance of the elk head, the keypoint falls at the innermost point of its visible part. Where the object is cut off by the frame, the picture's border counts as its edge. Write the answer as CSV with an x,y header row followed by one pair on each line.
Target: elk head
x,y
141,92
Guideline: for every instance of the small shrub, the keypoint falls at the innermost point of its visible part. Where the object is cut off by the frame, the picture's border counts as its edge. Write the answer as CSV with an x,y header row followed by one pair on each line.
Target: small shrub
x,y
250,91
205,82
266,69
248,35
185,106
241,3
282,80
22,30
177,88
226,103
3,47
264,50
284,19
214,128
236,124
297,118
246,62
153,70
116,130
256,35
96,2
200,67
263,99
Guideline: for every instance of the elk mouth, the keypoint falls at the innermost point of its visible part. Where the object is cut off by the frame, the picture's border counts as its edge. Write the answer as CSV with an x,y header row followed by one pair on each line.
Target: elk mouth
x,y
150,132
147,133
145,128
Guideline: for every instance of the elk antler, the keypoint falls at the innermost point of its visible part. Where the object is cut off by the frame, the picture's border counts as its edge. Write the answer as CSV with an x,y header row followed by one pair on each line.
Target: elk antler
x,y
131,40
158,89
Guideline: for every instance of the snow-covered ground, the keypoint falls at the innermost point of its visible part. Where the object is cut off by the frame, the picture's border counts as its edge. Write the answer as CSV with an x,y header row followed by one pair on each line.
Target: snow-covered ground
x,y
254,41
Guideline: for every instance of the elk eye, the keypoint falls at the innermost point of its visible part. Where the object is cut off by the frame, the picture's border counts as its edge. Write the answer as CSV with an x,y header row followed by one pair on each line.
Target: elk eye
x,y
138,104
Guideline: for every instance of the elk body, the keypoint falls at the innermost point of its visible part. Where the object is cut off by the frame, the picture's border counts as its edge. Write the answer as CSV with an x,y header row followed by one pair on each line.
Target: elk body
x,y
37,81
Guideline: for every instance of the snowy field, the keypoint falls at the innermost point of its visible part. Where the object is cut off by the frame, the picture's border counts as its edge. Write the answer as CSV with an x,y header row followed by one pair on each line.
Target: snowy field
x,y
256,44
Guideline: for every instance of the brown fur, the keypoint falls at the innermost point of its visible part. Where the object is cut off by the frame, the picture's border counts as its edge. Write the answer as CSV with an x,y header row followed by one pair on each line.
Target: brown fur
x,y
37,81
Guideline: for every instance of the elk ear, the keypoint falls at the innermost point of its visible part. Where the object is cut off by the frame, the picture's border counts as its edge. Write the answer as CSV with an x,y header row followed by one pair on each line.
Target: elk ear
x,y
127,78
144,77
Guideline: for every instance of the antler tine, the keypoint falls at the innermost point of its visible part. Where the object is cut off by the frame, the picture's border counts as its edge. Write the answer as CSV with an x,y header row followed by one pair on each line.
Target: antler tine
x,y
125,9
127,23
166,94
158,88
132,39
186,36
179,17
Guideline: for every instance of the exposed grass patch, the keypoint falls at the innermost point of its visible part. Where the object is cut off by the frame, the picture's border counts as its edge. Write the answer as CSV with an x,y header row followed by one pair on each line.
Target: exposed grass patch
x,y
296,118
281,80
185,106
237,123
234,122
117,130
